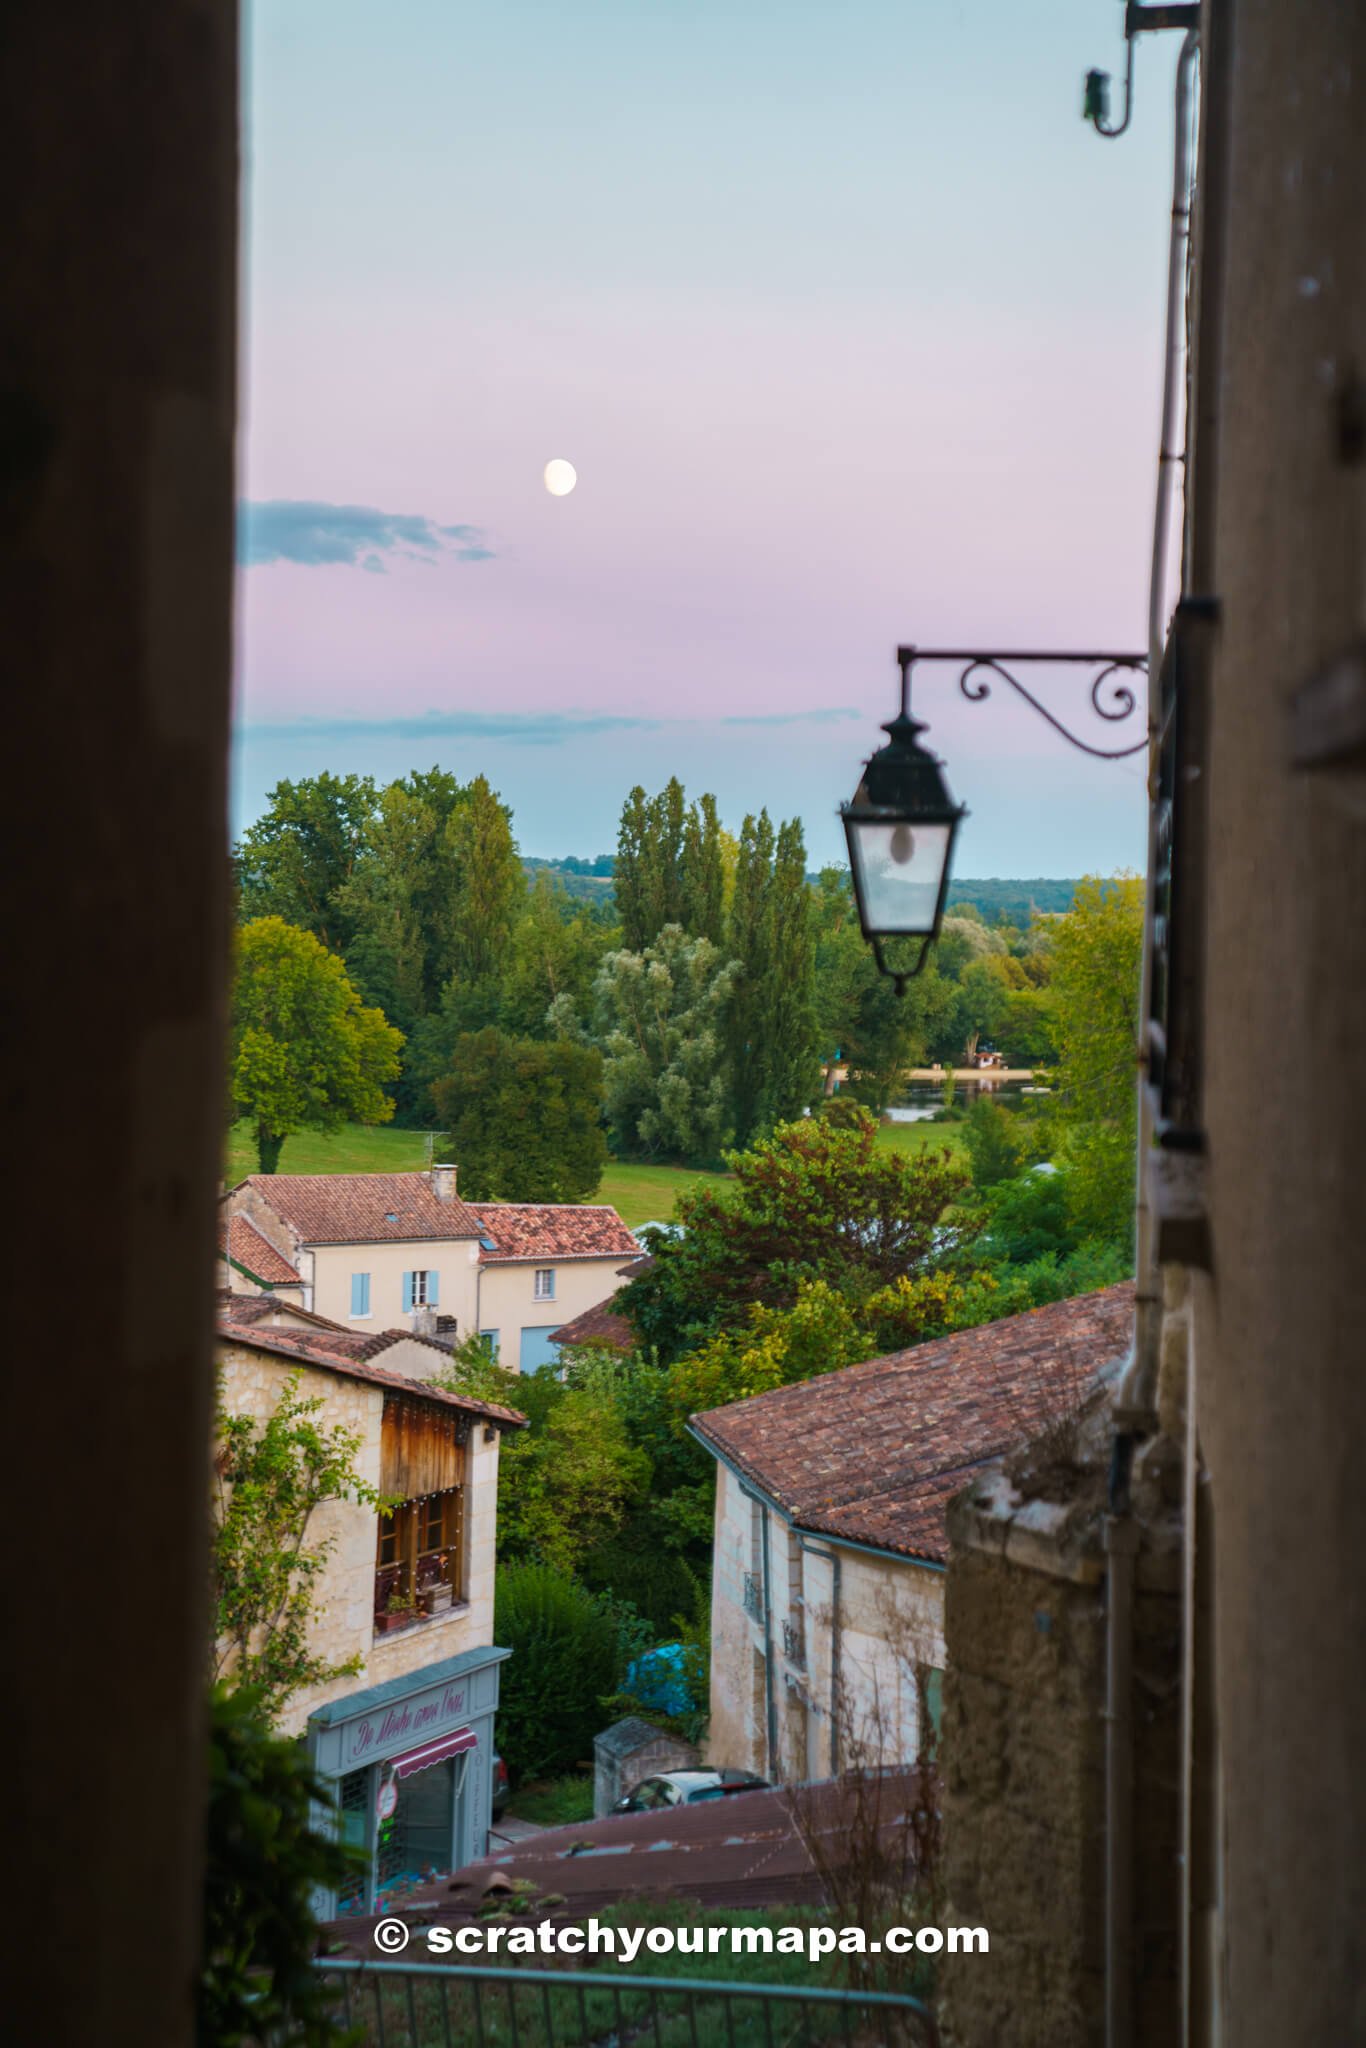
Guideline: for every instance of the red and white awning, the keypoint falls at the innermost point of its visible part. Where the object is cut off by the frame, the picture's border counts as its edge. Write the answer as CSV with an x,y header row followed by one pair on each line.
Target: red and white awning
x,y
434,1752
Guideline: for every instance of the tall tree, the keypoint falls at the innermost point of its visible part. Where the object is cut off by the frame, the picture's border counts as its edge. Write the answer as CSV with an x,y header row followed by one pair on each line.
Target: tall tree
x,y
306,1053
395,902
296,859
629,873
524,1118
658,1018
557,948
1097,956
703,874
772,1031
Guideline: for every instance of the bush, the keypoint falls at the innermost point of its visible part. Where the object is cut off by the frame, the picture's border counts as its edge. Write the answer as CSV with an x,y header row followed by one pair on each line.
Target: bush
x,y
567,1659
993,1143
262,1865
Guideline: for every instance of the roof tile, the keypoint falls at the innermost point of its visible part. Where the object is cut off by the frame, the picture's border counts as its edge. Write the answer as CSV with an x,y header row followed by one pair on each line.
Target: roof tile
x,y
331,1353
364,1208
552,1230
874,1453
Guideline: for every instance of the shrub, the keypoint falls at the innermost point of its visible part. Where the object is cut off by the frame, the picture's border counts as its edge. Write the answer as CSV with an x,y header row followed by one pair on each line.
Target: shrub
x,y
567,1659
262,1864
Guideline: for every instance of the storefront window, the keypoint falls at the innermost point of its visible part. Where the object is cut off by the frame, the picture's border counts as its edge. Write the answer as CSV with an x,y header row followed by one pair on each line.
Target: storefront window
x,y
353,1806
415,1841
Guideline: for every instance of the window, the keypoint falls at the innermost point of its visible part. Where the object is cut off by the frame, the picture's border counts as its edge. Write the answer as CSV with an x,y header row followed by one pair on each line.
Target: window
x,y
360,1294
420,1290
491,1338
545,1283
419,1560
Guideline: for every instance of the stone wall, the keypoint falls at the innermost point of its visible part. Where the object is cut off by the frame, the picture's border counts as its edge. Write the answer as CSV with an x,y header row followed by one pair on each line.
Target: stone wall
x,y
615,1774
1023,1756
344,1615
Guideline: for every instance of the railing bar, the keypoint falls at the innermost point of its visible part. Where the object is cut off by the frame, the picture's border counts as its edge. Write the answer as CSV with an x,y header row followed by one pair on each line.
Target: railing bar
x,y
513,2014
478,1991
889,2001
844,2022
446,2007
379,2013
654,2017
549,2017
621,2023
729,2005
583,2014
767,2011
412,2016
691,2009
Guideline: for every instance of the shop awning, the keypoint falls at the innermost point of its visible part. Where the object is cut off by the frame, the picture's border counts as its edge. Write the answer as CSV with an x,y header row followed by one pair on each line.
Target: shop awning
x,y
434,1752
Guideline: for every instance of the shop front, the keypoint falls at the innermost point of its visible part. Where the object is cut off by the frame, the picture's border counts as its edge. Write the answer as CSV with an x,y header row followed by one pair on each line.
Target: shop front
x,y
410,1764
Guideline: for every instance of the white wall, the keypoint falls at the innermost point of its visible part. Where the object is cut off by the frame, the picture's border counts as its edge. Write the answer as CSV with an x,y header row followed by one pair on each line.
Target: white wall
x,y
891,1619
508,1304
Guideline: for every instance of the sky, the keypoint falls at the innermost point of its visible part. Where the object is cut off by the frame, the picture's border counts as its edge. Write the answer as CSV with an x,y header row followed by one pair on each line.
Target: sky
x,y
848,323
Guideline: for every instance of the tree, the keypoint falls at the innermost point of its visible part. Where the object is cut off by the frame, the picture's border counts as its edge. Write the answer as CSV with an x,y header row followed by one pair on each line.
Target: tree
x,y
566,1659
295,861
811,1202
993,1143
703,874
1097,958
306,1054
524,1117
862,1023
772,1028
272,1478
557,949
658,1018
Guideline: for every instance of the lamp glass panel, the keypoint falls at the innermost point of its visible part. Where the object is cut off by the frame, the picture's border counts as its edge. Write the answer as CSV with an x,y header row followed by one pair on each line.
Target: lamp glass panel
x,y
900,867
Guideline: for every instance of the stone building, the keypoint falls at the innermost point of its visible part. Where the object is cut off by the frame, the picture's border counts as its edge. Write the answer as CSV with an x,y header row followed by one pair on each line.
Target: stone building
x,y
407,1738
830,1545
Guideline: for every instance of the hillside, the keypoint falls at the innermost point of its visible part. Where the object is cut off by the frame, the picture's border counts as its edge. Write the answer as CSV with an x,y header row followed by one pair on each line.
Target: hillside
x,y
995,897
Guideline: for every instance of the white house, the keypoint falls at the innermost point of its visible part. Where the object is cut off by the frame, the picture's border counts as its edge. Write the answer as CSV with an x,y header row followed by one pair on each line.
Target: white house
x,y
371,1250
827,1615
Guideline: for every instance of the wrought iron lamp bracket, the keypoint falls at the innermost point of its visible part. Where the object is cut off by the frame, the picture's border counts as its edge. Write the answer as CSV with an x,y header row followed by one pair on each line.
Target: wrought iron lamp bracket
x,y
1111,700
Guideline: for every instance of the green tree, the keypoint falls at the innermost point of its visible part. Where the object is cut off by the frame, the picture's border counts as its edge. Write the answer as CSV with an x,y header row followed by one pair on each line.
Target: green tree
x,y
703,873
772,1029
271,1479
658,1019
567,1659
1097,960
993,1143
523,1117
306,1054
811,1202
558,947
296,860
395,903
862,1023
488,888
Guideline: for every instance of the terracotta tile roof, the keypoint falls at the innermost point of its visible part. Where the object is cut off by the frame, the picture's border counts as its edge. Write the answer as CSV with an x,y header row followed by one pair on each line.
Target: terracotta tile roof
x,y
363,1208
326,1351
259,1308
600,1325
875,1453
256,1254
552,1230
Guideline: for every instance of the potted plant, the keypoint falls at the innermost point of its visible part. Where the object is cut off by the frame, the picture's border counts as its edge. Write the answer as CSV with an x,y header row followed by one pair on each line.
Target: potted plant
x,y
399,1610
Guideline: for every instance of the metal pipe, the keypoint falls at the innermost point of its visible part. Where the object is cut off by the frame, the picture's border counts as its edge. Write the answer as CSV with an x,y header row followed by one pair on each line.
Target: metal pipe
x,y
1137,1395
1121,1542
832,1556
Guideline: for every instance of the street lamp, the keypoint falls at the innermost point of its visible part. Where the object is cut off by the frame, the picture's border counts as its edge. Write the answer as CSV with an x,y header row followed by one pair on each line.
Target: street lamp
x,y
901,827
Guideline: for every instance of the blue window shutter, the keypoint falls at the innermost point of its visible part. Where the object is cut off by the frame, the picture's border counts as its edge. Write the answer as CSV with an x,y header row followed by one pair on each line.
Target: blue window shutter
x,y
407,1293
433,1288
360,1294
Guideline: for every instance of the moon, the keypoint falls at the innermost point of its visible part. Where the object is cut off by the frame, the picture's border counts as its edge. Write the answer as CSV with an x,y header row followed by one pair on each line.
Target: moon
x,y
560,477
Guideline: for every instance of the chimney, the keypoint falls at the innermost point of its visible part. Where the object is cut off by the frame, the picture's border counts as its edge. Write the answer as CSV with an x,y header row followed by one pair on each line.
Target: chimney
x,y
443,1183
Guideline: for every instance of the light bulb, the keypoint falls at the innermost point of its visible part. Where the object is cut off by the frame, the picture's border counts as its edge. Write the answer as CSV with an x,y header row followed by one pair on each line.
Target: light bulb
x,y
903,845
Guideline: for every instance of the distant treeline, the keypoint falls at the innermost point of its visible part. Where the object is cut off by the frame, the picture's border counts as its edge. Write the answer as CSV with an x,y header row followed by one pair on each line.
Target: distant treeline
x,y
997,899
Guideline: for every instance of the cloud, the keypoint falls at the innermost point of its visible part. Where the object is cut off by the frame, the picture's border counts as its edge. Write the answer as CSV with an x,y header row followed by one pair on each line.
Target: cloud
x,y
525,728
355,536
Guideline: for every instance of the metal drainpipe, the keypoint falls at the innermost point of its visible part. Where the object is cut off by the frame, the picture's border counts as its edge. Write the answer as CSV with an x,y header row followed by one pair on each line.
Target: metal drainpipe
x,y
770,1706
833,1558
1121,1544
1137,1397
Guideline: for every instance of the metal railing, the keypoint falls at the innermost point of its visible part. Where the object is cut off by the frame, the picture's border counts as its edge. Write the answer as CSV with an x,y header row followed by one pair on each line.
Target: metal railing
x,y
794,1643
425,2005
752,1594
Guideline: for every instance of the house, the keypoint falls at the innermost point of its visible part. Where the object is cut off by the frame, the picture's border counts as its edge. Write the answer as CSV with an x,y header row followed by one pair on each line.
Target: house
x,y
831,1541
369,1249
250,1264
407,1742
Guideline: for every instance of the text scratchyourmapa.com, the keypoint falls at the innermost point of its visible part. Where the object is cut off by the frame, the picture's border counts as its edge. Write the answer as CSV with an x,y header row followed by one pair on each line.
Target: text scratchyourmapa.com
x,y
392,1937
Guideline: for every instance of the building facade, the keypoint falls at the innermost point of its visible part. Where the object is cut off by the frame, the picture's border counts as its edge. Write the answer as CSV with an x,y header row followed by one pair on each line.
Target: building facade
x,y
406,1597
371,1251
831,1540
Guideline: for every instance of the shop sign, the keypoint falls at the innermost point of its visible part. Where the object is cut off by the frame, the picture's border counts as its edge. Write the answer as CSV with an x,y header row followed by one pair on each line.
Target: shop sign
x,y
386,1799
402,1724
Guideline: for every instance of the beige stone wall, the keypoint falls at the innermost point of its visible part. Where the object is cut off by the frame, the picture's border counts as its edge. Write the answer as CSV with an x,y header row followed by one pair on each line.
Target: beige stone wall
x,y
508,1304
890,1620
345,1610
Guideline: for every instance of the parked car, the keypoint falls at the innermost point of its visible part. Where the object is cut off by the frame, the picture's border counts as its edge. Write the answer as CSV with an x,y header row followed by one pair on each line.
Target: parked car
x,y
687,1788
502,1791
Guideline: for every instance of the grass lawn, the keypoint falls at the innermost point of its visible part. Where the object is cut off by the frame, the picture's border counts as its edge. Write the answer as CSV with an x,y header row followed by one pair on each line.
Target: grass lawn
x,y
640,1194
553,1802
